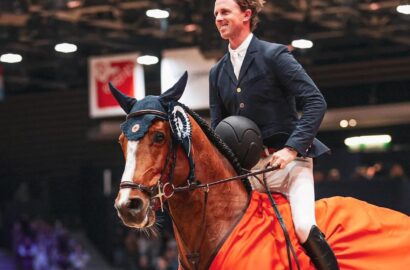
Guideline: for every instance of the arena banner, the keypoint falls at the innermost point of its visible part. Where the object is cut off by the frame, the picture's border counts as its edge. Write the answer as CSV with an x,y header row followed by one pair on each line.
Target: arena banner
x,y
1,84
123,72
175,62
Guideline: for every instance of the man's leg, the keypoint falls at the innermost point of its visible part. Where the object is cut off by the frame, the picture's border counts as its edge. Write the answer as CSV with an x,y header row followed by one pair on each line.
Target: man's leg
x,y
302,201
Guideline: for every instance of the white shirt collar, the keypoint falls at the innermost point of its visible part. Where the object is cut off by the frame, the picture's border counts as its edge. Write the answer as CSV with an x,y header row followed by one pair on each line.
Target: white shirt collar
x,y
241,50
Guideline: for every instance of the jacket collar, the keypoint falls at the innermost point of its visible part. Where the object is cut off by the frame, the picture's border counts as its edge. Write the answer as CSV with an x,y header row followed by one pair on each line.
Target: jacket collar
x,y
249,57
227,66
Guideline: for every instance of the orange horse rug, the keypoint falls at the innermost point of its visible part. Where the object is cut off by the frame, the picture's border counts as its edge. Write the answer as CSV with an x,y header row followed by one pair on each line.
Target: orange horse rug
x,y
363,236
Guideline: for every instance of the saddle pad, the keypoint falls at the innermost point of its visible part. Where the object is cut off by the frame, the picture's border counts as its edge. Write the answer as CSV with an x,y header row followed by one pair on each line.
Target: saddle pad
x,y
363,236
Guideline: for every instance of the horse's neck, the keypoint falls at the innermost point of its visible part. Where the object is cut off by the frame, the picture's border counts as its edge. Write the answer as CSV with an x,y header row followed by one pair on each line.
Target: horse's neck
x,y
203,231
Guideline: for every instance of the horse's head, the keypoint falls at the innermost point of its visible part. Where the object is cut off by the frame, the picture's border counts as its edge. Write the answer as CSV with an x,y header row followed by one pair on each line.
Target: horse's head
x,y
147,144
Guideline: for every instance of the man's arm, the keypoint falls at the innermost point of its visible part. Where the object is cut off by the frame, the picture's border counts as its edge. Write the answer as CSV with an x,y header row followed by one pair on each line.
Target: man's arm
x,y
217,111
297,83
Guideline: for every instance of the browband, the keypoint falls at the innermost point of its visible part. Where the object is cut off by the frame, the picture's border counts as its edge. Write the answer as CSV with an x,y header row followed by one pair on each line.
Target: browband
x,y
142,112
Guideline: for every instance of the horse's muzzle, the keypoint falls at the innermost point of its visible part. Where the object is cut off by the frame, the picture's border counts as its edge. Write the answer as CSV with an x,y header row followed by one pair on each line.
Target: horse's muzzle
x,y
135,212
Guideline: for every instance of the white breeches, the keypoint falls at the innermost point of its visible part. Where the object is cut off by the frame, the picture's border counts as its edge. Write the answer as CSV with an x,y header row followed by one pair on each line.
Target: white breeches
x,y
295,181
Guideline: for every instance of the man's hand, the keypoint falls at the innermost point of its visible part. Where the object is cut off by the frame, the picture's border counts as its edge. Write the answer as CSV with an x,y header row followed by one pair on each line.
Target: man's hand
x,y
283,157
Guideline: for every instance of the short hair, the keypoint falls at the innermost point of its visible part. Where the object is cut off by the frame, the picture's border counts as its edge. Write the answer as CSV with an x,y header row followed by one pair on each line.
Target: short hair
x,y
255,6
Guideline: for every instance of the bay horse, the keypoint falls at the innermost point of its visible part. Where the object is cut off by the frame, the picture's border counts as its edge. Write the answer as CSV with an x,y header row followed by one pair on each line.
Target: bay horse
x,y
172,155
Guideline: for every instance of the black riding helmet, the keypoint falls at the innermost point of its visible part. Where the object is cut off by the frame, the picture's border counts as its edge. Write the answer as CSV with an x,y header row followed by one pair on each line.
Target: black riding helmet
x,y
244,138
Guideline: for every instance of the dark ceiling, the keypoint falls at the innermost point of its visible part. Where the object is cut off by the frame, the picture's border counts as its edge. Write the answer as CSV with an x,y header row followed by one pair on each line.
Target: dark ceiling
x,y
350,37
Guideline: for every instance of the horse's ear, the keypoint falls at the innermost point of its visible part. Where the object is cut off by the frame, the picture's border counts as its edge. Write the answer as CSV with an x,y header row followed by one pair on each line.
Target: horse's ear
x,y
175,92
125,101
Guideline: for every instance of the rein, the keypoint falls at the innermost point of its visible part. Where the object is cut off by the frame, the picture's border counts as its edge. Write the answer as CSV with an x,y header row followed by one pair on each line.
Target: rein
x,y
161,188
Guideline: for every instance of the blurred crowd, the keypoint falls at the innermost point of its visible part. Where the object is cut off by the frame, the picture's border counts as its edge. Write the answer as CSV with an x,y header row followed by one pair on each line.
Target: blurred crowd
x,y
38,245
135,250
374,172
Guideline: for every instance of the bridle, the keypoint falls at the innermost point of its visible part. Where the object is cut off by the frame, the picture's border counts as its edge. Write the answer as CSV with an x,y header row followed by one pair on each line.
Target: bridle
x,y
165,189
160,189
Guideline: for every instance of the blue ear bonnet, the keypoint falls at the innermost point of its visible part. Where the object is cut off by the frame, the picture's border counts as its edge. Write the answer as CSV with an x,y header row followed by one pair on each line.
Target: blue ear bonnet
x,y
134,128
140,114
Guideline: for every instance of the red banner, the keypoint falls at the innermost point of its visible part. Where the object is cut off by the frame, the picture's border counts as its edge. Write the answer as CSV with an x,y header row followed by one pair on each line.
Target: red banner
x,y
123,72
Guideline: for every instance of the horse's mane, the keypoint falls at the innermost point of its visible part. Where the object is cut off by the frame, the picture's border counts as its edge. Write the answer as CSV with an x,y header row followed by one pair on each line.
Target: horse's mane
x,y
219,144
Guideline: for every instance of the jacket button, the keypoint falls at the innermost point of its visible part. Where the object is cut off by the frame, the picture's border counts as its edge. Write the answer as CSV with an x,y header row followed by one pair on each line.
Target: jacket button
x,y
242,105
238,90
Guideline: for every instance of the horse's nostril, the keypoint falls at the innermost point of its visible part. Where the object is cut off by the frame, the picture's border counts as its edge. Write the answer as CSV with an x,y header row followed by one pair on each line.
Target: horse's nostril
x,y
135,204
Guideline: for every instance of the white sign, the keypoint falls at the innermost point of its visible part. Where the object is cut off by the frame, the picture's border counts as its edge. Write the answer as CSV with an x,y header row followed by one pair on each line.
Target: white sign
x,y
175,63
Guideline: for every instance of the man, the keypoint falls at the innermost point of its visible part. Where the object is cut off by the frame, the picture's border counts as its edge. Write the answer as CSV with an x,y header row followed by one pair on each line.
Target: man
x,y
261,81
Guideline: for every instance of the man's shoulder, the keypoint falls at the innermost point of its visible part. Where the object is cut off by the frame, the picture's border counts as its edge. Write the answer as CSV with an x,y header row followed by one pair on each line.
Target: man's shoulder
x,y
272,47
215,67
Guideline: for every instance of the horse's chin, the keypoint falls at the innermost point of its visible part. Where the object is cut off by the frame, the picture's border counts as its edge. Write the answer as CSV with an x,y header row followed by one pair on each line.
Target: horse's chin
x,y
146,221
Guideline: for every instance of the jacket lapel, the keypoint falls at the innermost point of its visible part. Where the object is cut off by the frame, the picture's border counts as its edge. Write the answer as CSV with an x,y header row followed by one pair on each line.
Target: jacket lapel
x,y
229,68
249,57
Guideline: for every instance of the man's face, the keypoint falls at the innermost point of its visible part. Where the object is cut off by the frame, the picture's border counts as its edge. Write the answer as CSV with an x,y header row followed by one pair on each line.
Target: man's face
x,y
229,19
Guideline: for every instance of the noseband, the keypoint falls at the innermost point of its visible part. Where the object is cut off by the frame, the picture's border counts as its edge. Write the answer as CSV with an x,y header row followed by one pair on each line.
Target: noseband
x,y
160,189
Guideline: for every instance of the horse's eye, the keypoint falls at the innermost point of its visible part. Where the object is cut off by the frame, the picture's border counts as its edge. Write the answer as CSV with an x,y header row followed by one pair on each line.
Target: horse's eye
x,y
159,137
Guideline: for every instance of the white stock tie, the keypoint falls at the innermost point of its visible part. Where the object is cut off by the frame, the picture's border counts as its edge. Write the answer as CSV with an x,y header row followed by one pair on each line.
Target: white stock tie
x,y
236,63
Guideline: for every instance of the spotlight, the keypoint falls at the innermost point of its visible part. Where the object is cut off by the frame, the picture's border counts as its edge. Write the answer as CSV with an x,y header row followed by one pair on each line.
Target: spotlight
x,y
11,58
147,60
65,48
344,124
374,6
352,122
302,44
190,27
404,9
74,4
157,13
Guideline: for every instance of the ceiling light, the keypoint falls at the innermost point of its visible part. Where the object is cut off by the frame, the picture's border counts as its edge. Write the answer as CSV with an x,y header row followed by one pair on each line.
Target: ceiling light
x,y
147,60
11,58
352,122
344,124
65,48
74,4
368,140
157,13
404,9
190,27
302,43
374,6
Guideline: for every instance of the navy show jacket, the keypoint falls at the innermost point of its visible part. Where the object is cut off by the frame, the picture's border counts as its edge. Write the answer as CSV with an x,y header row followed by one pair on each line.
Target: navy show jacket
x,y
269,83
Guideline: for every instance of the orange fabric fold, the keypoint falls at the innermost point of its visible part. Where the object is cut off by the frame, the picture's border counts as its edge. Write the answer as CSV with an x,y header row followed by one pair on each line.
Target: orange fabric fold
x,y
363,236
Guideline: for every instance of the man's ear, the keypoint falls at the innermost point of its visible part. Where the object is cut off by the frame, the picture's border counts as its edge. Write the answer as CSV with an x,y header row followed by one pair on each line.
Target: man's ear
x,y
248,15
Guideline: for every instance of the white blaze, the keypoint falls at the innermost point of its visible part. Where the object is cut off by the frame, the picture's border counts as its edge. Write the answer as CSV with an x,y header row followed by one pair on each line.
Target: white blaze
x,y
129,170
